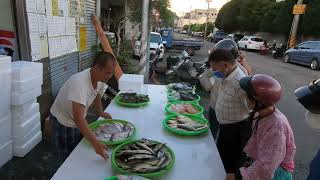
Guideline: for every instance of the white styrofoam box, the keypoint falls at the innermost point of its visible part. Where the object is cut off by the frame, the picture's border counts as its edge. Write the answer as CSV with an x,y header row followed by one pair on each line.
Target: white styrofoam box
x,y
5,92
5,63
27,84
21,129
5,129
21,151
131,83
24,112
6,153
20,141
21,98
22,70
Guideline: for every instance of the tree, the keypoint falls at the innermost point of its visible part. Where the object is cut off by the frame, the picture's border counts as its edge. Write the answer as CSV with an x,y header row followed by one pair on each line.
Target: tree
x,y
278,18
310,23
159,12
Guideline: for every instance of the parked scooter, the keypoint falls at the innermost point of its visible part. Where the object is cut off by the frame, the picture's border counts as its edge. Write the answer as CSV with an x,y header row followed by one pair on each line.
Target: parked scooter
x,y
176,68
279,51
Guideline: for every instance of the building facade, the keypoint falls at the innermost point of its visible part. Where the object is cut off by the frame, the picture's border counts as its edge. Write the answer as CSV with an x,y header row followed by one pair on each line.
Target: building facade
x,y
198,16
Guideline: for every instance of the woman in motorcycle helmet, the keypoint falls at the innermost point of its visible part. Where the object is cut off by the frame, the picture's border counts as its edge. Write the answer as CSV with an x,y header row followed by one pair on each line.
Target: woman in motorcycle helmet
x,y
271,147
309,97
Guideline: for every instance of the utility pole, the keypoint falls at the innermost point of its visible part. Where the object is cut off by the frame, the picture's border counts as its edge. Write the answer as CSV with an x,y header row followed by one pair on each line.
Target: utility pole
x,y
294,28
144,51
205,29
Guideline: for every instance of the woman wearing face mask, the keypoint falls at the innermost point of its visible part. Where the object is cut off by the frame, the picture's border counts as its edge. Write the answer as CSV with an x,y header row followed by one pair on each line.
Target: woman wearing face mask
x,y
309,97
271,147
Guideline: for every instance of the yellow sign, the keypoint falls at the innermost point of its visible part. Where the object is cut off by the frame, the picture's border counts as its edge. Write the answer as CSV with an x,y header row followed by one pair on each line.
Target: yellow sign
x,y
55,8
83,38
299,9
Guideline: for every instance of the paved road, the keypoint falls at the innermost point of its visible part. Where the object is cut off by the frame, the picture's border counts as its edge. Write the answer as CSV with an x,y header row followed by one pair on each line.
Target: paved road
x,y
290,76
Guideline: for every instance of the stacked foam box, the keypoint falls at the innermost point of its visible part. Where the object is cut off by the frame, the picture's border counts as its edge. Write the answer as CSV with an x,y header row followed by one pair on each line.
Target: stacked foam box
x,y
26,87
5,116
131,83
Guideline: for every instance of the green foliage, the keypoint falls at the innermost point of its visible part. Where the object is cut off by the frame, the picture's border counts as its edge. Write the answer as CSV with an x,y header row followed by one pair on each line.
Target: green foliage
x,y
267,16
185,27
157,8
310,23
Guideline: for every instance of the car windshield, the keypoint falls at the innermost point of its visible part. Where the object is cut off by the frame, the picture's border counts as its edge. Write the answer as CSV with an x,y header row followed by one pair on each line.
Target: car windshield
x,y
155,38
257,39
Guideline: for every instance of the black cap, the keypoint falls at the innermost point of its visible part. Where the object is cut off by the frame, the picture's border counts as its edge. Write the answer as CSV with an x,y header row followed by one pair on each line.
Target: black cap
x,y
245,84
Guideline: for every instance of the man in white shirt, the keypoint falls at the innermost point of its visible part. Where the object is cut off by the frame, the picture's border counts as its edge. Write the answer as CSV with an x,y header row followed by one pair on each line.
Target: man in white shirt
x,y
68,112
231,107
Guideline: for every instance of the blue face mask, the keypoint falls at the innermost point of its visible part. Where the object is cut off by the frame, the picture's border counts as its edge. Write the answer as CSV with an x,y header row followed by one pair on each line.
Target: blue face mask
x,y
218,74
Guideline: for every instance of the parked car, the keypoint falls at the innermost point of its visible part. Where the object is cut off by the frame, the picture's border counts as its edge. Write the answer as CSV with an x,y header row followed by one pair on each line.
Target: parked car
x,y
235,37
306,53
251,43
156,42
218,36
184,32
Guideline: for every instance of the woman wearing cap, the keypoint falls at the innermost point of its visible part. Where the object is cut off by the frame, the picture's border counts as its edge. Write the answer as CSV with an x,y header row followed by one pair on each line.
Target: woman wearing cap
x,y
271,147
309,97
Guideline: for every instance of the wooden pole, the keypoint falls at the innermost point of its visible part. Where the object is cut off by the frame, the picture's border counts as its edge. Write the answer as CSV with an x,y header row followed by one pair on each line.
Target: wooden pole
x,y
105,45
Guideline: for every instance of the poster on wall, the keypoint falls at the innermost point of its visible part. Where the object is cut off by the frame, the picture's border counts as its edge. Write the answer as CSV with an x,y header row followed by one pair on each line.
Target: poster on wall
x,y
55,8
8,44
48,7
74,8
83,38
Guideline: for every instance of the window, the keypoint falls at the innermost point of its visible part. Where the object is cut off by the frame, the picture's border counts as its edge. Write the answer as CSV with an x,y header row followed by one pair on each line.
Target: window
x,y
307,45
257,39
155,38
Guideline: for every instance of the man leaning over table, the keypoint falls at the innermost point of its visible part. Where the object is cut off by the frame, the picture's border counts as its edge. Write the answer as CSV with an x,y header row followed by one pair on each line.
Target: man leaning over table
x,y
68,112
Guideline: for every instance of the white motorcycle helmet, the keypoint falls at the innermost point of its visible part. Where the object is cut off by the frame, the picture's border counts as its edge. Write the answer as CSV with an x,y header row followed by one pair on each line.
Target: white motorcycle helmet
x,y
309,97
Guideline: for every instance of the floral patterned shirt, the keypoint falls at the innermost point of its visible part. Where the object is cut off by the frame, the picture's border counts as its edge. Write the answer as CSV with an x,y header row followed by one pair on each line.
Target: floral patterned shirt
x,y
270,146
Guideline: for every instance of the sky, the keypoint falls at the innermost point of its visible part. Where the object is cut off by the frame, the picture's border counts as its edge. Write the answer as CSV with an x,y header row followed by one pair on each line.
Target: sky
x,y
181,6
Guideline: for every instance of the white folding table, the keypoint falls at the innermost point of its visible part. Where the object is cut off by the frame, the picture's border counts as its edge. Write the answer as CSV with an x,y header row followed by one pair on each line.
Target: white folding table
x,y
197,157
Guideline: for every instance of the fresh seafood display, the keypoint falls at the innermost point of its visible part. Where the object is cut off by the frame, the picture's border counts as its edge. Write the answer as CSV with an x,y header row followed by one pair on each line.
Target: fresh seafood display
x,y
125,177
184,109
143,156
133,98
183,96
180,87
114,131
185,123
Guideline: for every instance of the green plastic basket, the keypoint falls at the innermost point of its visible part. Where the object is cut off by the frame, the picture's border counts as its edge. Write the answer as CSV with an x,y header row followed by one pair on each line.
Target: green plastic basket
x,y
147,175
96,124
186,133
111,178
117,99
168,111
171,99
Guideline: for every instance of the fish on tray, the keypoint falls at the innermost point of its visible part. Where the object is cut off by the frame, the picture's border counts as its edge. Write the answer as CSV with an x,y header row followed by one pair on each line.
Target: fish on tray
x,y
185,123
143,156
183,96
125,177
184,109
114,131
180,86
133,98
